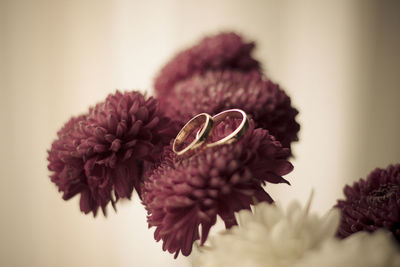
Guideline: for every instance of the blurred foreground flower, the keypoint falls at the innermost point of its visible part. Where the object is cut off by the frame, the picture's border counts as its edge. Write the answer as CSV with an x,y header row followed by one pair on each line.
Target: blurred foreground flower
x,y
102,154
222,51
182,195
372,203
216,91
268,237
362,249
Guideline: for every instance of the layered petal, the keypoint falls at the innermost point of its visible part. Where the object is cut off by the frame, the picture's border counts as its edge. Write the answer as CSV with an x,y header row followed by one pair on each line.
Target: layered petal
x,y
222,51
372,203
269,236
183,194
215,91
102,155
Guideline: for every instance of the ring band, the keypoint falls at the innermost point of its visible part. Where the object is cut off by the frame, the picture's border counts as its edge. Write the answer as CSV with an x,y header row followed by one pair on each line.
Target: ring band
x,y
202,120
238,132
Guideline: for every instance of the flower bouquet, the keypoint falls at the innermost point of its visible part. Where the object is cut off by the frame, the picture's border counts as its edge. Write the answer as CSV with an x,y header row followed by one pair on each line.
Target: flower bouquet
x,y
129,142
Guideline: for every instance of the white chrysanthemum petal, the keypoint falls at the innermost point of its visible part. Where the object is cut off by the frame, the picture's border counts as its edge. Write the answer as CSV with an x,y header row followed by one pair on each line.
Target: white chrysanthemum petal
x,y
330,223
361,249
268,236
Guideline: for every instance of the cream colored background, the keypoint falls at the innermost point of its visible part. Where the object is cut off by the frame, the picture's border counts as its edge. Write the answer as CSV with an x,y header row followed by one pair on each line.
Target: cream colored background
x,y
339,61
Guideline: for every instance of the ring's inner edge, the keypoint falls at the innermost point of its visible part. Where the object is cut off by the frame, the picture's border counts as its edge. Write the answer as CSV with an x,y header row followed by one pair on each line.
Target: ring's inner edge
x,y
189,128
221,117
243,126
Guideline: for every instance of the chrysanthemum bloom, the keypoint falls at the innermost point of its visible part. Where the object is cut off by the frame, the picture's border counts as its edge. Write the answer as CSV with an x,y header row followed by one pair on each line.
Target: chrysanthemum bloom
x,y
362,249
182,195
216,91
222,51
102,154
372,203
65,163
268,237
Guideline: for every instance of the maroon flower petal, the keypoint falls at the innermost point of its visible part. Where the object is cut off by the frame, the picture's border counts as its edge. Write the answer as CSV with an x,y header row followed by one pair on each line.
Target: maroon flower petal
x,y
104,153
222,51
372,203
215,91
180,195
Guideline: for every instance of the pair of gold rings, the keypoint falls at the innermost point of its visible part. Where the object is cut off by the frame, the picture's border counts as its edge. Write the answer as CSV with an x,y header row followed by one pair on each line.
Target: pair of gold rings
x,y
206,123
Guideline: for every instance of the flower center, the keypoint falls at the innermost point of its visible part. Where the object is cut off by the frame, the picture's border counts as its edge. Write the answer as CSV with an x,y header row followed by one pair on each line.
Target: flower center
x,y
383,194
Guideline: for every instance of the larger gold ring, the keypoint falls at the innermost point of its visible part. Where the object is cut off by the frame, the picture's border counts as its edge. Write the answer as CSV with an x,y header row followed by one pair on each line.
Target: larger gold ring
x,y
202,120
238,132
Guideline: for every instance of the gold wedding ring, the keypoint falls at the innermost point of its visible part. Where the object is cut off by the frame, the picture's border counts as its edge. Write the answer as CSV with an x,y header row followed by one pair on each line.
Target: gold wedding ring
x,y
205,123
237,133
202,121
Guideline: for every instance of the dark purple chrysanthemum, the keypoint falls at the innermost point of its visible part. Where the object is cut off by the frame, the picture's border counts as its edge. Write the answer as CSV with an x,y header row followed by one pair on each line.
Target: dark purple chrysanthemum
x,y
216,91
182,195
102,154
222,51
372,203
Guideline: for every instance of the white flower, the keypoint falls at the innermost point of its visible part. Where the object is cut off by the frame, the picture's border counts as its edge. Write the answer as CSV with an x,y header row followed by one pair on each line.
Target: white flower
x,y
361,249
268,236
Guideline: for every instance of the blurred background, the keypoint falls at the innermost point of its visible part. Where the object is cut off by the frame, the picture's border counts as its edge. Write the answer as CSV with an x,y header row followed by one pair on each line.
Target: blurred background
x,y
338,60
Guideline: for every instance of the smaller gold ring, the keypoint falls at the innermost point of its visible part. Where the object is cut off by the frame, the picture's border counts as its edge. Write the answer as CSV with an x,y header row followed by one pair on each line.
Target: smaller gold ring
x,y
202,120
238,132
